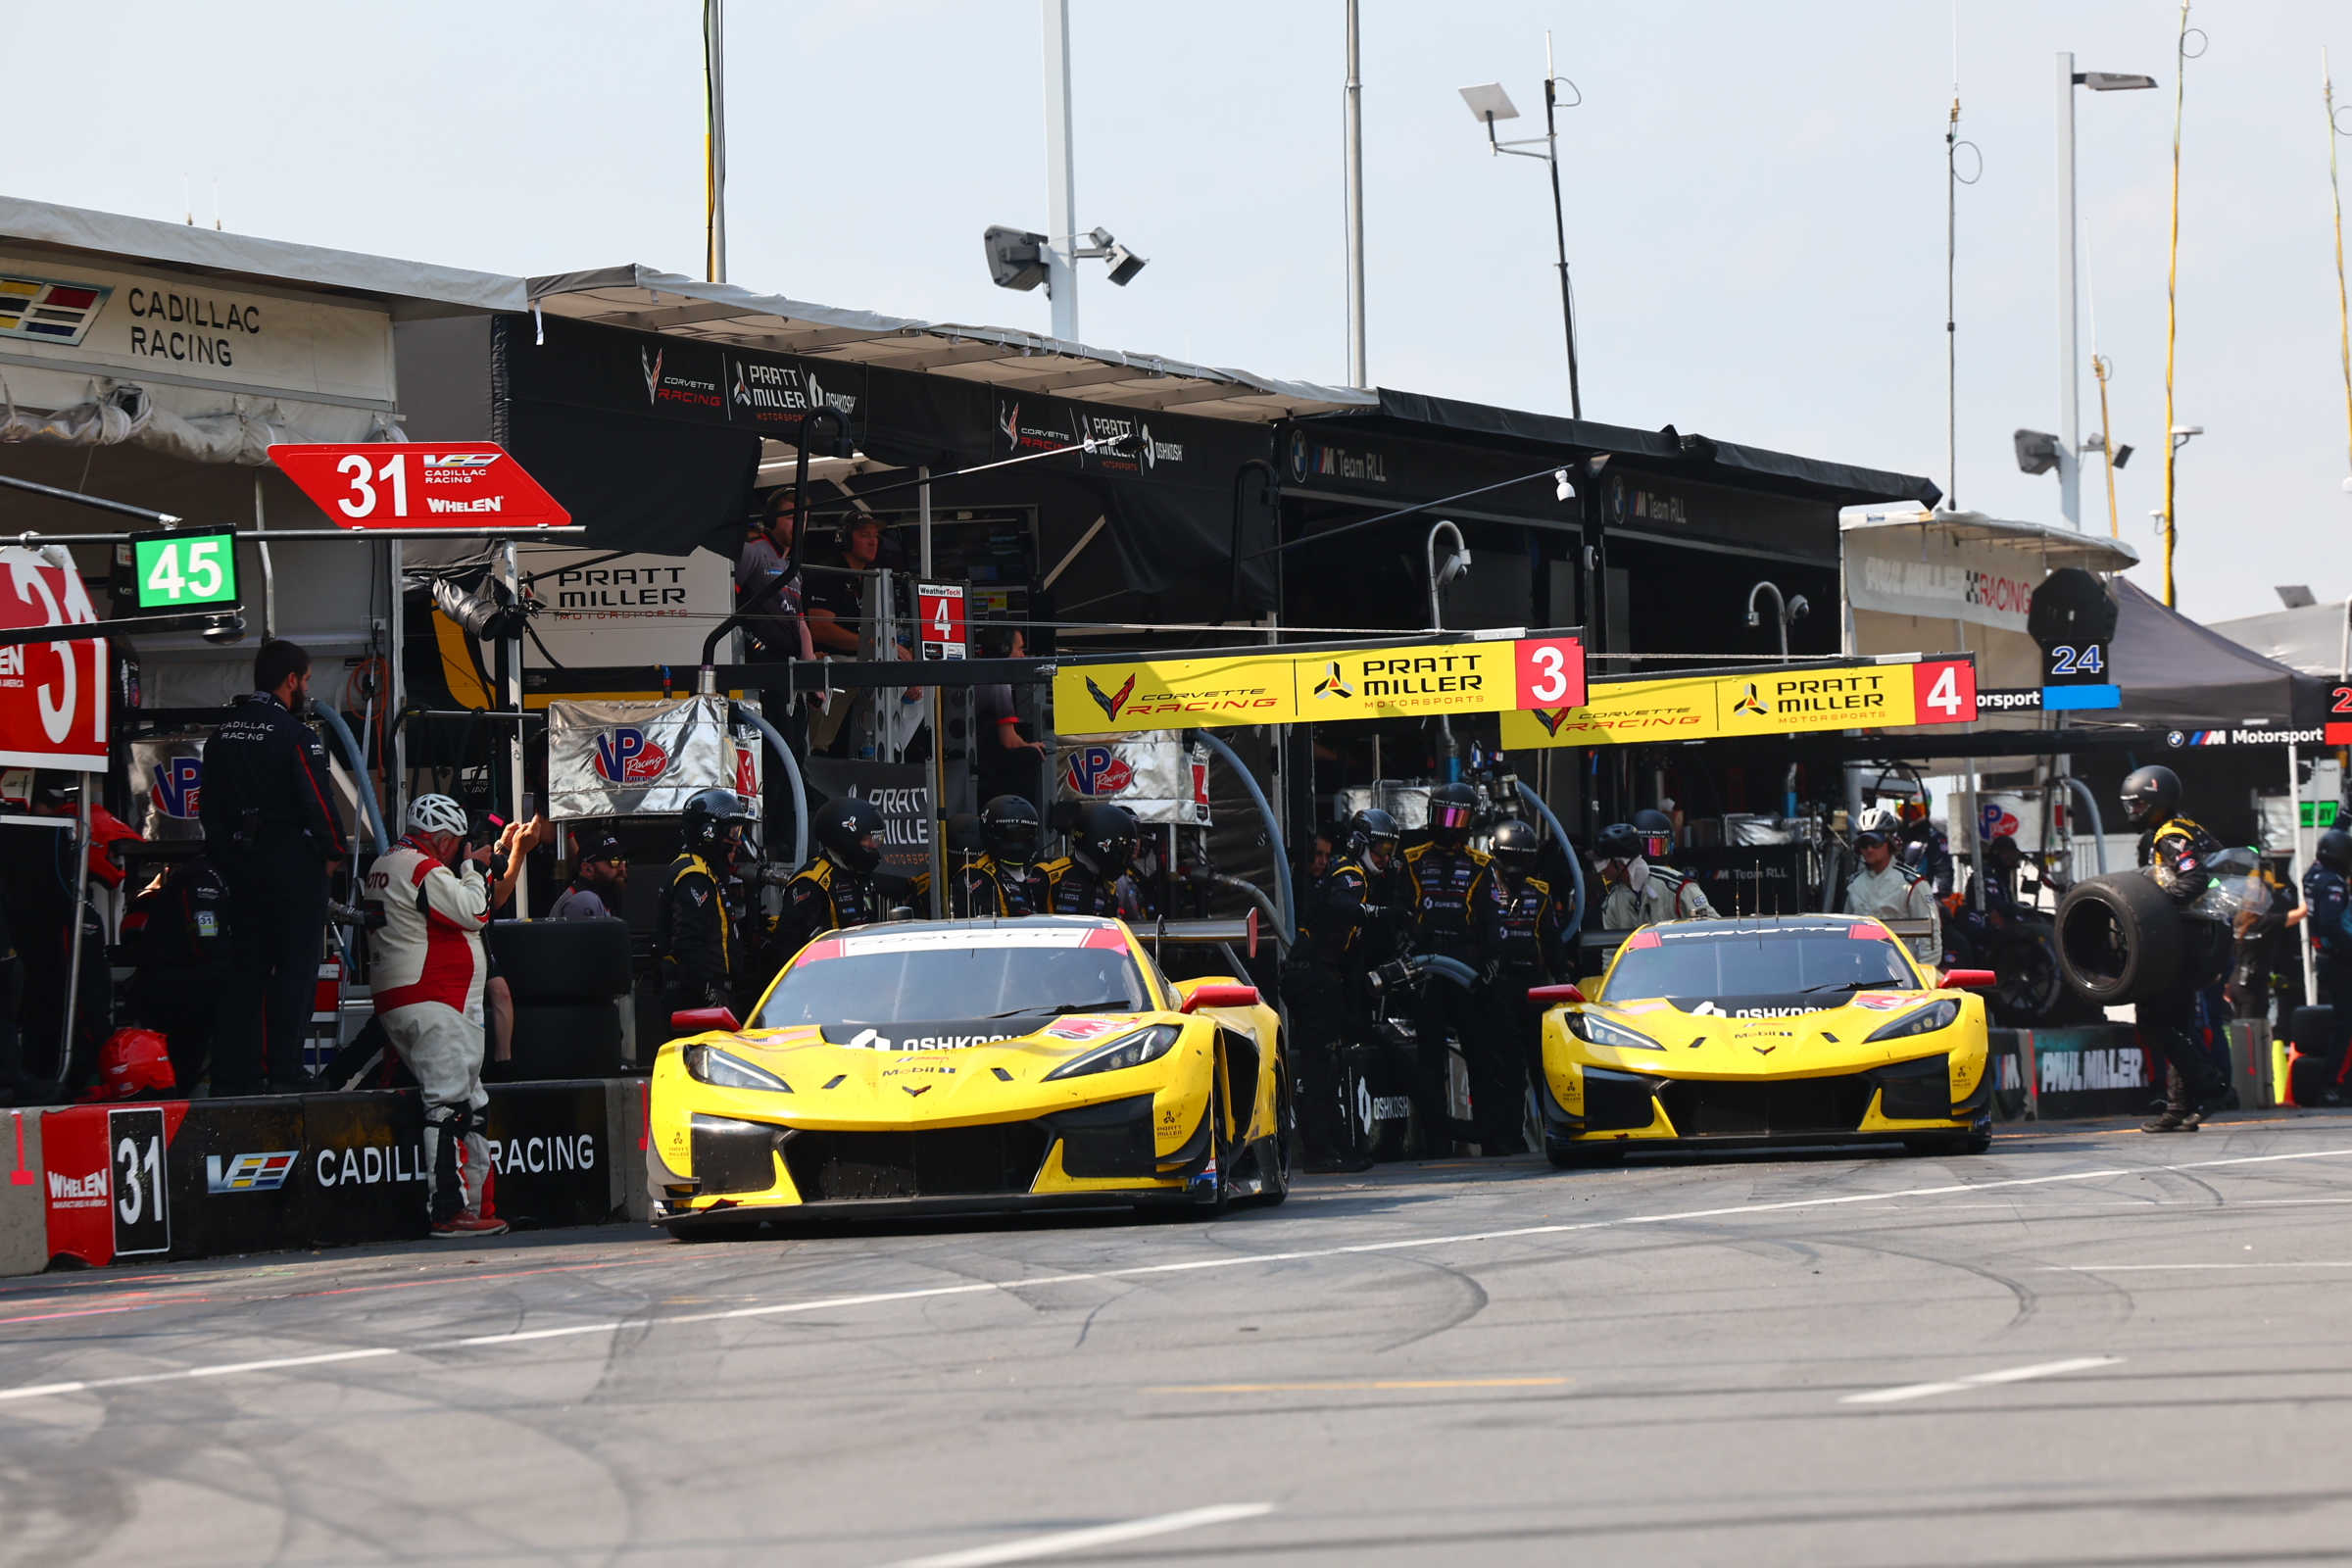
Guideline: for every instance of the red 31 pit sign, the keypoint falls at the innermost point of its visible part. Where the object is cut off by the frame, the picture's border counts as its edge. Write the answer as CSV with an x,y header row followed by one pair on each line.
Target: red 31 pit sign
x,y
418,484
52,694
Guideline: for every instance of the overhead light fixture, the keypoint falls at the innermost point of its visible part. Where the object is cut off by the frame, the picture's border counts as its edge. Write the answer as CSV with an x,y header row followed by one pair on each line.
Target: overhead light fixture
x,y
1489,102
2112,80
1564,488
2036,451
1124,263
1016,258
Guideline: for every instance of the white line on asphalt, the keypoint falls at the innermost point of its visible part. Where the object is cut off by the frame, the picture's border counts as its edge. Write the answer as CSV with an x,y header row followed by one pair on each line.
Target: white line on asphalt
x,y
1141,1271
2015,1374
1098,1536
2143,1268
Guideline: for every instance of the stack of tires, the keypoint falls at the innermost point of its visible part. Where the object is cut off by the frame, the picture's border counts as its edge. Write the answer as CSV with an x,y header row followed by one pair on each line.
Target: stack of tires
x,y
2122,939
564,976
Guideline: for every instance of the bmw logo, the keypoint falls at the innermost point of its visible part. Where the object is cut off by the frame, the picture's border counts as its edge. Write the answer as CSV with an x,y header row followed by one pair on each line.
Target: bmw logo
x,y
1299,455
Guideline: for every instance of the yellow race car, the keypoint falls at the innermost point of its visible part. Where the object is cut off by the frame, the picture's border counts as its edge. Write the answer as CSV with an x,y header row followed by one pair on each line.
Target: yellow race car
x,y
970,1064
1797,1029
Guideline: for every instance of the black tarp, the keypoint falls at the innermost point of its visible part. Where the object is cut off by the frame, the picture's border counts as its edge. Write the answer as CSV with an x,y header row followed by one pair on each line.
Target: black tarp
x,y
2177,675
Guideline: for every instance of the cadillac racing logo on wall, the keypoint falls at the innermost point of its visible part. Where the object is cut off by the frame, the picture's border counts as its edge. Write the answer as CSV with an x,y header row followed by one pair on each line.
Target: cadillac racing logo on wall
x,y
626,759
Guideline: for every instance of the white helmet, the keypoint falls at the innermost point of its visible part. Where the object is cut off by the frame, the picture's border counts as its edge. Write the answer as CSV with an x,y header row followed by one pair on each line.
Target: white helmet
x,y
1880,821
436,813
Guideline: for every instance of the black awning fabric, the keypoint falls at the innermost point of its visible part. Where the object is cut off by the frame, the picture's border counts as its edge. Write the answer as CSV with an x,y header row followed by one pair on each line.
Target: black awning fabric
x,y
634,483
2178,674
1723,462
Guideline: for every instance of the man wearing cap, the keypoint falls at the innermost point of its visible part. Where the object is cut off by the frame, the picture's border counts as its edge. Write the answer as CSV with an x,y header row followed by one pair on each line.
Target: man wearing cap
x,y
1886,889
595,888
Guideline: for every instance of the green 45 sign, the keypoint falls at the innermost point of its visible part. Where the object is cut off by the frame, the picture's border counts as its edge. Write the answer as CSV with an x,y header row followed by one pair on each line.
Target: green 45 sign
x,y
185,570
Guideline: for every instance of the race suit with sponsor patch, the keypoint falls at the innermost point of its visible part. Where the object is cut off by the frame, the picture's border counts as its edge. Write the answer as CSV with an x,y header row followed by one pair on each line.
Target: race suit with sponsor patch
x,y
427,973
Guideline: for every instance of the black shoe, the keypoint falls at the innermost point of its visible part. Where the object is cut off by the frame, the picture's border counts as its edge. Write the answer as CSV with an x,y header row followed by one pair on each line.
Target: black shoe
x,y
2182,1120
2220,1097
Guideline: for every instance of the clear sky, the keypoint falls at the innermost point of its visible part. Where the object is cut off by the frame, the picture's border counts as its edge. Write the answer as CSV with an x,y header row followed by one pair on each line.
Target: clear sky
x,y
1757,200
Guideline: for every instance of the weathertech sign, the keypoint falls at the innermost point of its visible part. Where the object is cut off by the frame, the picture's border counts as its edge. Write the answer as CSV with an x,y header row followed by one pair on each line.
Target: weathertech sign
x,y
420,485
1763,702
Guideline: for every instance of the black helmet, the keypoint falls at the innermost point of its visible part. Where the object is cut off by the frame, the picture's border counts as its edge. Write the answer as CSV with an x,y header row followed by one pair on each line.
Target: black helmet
x,y
845,832
1009,830
2151,795
715,819
1103,839
1453,808
1658,833
1619,841
1516,844
2336,852
1370,826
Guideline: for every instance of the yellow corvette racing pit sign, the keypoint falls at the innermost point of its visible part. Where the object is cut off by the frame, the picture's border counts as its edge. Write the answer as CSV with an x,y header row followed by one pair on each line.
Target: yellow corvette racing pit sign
x,y
1767,701
1277,686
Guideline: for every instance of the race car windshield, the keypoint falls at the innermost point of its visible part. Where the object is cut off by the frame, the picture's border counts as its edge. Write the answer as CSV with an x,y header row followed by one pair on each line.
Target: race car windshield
x,y
920,976
1766,962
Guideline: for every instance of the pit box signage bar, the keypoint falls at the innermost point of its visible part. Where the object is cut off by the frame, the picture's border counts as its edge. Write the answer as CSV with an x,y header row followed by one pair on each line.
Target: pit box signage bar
x,y
1778,701
418,484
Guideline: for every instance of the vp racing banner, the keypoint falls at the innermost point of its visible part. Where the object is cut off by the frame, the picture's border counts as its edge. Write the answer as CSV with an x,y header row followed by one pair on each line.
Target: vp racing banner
x,y
619,758
1283,686
1896,692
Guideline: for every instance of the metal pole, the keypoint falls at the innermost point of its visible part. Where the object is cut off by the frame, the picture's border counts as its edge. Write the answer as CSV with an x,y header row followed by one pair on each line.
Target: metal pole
x,y
1357,375
512,698
2070,402
1559,227
924,524
2171,308
1062,181
396,698
269,573
82,898
714,138
2295,862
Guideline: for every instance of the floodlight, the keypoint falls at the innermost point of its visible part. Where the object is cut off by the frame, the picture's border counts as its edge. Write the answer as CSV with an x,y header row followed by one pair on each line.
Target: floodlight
x,y
1124,263
2295,596
2112,82
2036,451
1488,103
1016,257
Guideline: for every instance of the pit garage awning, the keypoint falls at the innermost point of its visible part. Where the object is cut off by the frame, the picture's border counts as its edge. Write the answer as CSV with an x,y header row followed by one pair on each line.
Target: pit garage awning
x,y
203,345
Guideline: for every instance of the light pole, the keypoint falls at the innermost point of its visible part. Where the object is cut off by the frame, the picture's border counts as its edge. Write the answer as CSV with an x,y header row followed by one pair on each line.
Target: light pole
x,y
2180,437
1783,610
1490,103
1458,562
2069,402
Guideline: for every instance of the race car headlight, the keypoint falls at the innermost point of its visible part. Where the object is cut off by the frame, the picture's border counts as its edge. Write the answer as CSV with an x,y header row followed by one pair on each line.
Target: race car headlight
x,y
1601,1031
711,1065
1128,1051
1926,1021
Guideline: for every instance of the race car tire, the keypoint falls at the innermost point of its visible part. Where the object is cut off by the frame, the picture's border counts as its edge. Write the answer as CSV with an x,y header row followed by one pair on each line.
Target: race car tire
x,y
558,962
575,1041
2120,939
1583,1156
1274,1153
2032,992
1964,1143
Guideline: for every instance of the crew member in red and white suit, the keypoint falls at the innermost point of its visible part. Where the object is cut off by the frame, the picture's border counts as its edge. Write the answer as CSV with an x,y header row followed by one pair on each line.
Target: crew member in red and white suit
x,y
428,975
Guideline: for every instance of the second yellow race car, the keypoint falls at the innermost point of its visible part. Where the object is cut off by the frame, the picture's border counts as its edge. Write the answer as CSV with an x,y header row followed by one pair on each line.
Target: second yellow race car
x,y
1805,1029
970,1064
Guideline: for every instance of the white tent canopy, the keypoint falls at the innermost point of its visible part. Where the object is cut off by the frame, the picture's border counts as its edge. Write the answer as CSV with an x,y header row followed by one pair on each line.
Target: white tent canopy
x,y
203,345
2316,639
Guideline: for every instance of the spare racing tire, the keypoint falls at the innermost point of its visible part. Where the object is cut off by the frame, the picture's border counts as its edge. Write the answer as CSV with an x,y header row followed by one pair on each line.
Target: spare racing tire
x,y
561,962
2120,939
563,1042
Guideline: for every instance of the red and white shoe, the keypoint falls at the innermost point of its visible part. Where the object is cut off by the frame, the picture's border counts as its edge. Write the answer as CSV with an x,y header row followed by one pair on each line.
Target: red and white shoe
x,y
468,1222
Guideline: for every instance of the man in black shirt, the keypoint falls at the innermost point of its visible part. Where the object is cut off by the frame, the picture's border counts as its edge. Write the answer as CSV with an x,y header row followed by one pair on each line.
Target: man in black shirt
x,y
272,828
177,932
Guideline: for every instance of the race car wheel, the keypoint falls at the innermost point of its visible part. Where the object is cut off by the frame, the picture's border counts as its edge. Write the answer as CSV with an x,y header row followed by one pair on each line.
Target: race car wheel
x,y
1574,1156
1965,1143
2119,938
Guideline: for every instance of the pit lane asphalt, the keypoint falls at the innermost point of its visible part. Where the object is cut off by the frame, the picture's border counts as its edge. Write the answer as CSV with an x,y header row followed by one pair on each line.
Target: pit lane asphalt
x,y
2090,1346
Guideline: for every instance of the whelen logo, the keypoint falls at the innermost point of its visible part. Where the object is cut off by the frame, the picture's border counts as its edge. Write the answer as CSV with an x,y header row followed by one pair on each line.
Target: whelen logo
x,y
89,1190
248,1173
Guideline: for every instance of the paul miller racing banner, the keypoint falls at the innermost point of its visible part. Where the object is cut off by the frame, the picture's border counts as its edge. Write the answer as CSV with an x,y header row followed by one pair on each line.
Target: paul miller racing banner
x,y
1279,686
1780,701
637,759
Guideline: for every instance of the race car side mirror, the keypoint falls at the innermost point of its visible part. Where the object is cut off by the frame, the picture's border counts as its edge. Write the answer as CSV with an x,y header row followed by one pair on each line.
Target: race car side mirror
x,y
1220,996
702,1020
1554,996
1969,979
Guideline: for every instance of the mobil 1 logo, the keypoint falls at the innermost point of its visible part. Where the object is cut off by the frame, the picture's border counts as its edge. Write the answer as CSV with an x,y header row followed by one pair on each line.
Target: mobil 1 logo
x,y
134,1140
